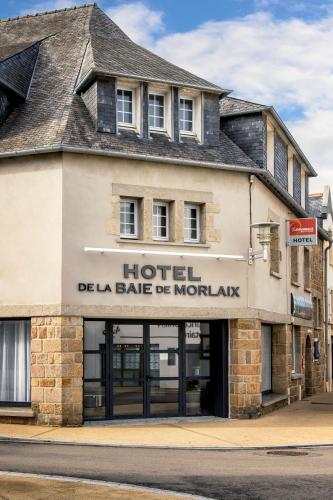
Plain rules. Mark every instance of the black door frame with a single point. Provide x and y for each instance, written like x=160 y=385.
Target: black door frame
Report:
x=219 y=366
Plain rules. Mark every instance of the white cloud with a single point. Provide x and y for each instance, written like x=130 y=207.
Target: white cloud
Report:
x=285 y=63
x=140 y=23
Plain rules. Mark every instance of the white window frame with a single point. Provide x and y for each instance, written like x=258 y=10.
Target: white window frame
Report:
x=162 y=204
x=134 y=236
x=158 y=129
x=193 y=131
x=198 y=211
x=124 y=124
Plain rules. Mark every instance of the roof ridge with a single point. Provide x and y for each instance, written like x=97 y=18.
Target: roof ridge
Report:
x=244 y=100
x=38 y=14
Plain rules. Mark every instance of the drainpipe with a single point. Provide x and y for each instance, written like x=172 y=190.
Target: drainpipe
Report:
x=327 y=249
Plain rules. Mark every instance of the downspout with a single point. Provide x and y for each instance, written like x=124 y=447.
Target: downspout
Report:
x=327 y=249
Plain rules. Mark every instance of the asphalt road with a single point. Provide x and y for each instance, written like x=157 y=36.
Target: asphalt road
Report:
x=213 y=474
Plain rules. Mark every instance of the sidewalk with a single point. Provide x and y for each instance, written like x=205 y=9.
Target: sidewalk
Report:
x=34 y=486
x=307 y=422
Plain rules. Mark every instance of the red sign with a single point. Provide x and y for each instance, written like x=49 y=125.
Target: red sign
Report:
x=302 y=232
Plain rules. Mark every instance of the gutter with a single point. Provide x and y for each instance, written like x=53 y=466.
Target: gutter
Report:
x=265 y=176
x=327 y=249
x=133 y=156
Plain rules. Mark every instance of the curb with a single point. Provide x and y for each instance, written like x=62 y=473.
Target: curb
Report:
x=110 y=484
x=7 y=439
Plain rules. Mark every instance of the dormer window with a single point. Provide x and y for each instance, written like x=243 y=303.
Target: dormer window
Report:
x=156 y=111
x=186 y=110
x=125 y=107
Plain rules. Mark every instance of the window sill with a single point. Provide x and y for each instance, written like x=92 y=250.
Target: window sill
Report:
x=161 y=242
x=296 y=283
x=15 y=411
x=307 y=289
x=296 y=376
x=276 y=275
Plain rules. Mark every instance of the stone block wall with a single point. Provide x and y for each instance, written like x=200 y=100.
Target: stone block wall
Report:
x=57 y=370
x=317 y=287
x=245 y=368
x=281 y=357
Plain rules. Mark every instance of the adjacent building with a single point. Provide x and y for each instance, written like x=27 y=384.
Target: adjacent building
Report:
x=321 y=207
x=132 y=281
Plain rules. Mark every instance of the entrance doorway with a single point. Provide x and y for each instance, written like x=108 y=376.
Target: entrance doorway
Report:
x=147 y=369
x=266 y=352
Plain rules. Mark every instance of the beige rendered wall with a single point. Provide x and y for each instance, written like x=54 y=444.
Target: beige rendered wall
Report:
x=90 y=210
x=30 y=225
x=273 y=292
x=55 y=206
x=90 y=203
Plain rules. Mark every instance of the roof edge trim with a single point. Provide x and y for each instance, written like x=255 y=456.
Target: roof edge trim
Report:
x=94 y=73
x=262 y=174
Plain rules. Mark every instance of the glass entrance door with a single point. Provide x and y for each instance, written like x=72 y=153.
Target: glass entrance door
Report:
x=127 y=380
x=164 y=370
x=148 y=369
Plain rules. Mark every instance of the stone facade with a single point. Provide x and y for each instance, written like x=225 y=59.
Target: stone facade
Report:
x=317 y=287
x=57 y=370
x=245 y=368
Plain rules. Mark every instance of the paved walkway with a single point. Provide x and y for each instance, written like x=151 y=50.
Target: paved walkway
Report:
x=307 y=422
x=15 y=486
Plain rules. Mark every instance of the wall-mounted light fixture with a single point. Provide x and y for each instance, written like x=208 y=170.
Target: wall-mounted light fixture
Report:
x=264 y=236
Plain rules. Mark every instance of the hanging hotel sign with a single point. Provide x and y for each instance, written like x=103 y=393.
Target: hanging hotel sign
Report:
x=142 y=283
x=302 y=232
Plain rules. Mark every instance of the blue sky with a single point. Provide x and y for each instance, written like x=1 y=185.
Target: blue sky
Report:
x=184 y=15
x=276 y=52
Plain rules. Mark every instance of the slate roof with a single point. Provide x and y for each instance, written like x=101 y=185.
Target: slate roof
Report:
x=316 y=204
x=320 y=205
x=70 y=42
x=16 y=71
x=232 y=105
x=81 y=132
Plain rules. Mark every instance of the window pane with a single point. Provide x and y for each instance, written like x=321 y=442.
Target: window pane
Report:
x=94 y=400
x=160 y=221
x=93 y=364
x=164 y=397
x=128 y=214
x=156 y=111
x=15 y=360
x=186 y=115
x=128 y=398
x=93 y=335
x=197 y=336
x=124 y=106
x=191 y=223
x=197 y=364
x=198 y=396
